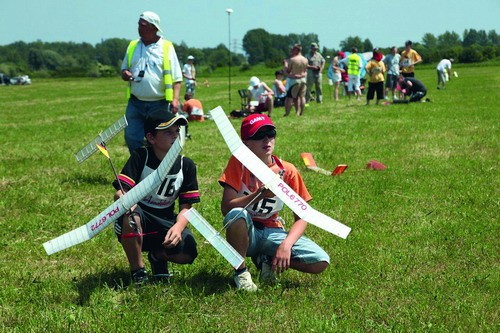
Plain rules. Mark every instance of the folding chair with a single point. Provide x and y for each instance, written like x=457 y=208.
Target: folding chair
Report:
x=244 y=98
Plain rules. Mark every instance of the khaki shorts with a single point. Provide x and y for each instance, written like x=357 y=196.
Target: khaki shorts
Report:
x=297 y=90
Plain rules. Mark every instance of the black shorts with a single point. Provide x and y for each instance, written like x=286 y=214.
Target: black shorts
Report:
x=155 y=229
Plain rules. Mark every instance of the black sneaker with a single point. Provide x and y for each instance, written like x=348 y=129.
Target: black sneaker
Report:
x=139 y=276
x=159 y=267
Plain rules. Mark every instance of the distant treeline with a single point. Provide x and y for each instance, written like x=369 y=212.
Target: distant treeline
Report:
x=68 y=59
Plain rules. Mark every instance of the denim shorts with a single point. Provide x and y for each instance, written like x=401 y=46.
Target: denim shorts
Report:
x=266 y=241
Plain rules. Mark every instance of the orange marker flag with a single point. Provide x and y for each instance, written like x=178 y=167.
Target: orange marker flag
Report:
x=308 y=159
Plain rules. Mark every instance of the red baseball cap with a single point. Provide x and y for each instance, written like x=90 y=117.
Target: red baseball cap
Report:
x=251 y=124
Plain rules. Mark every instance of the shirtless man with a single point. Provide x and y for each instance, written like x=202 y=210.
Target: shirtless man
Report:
x=296 y=70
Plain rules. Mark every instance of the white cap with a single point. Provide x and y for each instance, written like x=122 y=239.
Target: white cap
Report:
x=254 y=81
x=152 y=18
x=190 y=57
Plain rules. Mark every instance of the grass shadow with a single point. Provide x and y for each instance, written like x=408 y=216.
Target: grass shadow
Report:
x=207 y=282
x=203 y=283
x=116 y=280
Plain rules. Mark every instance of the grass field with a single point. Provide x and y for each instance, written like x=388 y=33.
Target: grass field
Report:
x=423 y=255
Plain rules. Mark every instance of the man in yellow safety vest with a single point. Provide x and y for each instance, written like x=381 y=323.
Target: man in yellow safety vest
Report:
x=354 y=71
x=154 y=75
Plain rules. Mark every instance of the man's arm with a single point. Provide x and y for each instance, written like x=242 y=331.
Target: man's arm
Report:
x=174 y=108
x=322 y=66
x=126 y=75
x=418 y=58
x=268 y=90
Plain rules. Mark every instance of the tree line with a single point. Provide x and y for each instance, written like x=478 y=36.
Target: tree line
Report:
x=69 y=59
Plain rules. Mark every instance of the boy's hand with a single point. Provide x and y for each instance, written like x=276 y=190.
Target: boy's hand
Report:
x=172 y=238
x=281 y=260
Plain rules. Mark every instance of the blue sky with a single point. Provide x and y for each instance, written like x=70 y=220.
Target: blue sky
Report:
x=204 y=23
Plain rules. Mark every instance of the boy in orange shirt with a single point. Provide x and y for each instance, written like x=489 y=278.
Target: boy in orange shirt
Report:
x=252 y=224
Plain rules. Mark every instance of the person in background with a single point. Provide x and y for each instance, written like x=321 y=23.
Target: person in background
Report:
x=315 y=66
x=376 y=70
x=189 y=74
x=260 y=97
x=413 y=88
x=279 y=89
x=409 y=58
x=154 y=75
x=256 y=230
x=443 y=72
x=345 y=76
x=391 y=62
x=335 y=74
x=193 y=108
x=354 y=71
x=296 y=71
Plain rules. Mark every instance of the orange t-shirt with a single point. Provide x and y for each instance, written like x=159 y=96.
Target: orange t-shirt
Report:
x=244 y=182
x=194 y=110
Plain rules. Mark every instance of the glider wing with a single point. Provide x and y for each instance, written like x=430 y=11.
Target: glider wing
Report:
x=117 y=208
x=272 y=181
x=105 y=136
x=214 y=238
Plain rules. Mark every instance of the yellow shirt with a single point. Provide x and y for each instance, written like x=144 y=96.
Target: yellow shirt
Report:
x=408 y=58
x=375 y=70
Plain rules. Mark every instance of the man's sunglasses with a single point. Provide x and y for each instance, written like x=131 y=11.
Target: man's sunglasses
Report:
x=262 y=134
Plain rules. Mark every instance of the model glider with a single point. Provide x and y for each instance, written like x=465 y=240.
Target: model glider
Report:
x=214 y=238
x=272 y=181
x=311 y=165
x=117 y=208
x=103 y=137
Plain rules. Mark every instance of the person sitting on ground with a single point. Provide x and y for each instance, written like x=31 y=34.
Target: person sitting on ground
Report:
x=253 y=226
x=158 y=230
x=193 y=108
x=260 y=97
x=413 y=88
x=279 y=89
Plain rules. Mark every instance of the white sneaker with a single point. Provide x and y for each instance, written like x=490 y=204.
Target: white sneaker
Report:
x=244 y=282
x=267 y=275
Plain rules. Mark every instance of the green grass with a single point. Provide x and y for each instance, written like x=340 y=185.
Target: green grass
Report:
x=422 y=256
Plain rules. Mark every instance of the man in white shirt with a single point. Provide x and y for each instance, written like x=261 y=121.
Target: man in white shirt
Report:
x=444 y=72
x=260 y=97
x=189 y=73
x=154 y=84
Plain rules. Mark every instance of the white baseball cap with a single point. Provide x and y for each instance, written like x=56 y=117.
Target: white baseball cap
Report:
x=254 y=81
x=152 y=18
x=190 y=57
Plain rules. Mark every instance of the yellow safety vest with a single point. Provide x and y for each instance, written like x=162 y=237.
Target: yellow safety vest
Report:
x=354 y=64
x=167 y=71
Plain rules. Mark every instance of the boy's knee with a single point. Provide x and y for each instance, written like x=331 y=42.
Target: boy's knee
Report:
x=235 y=215
x=320 y=267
